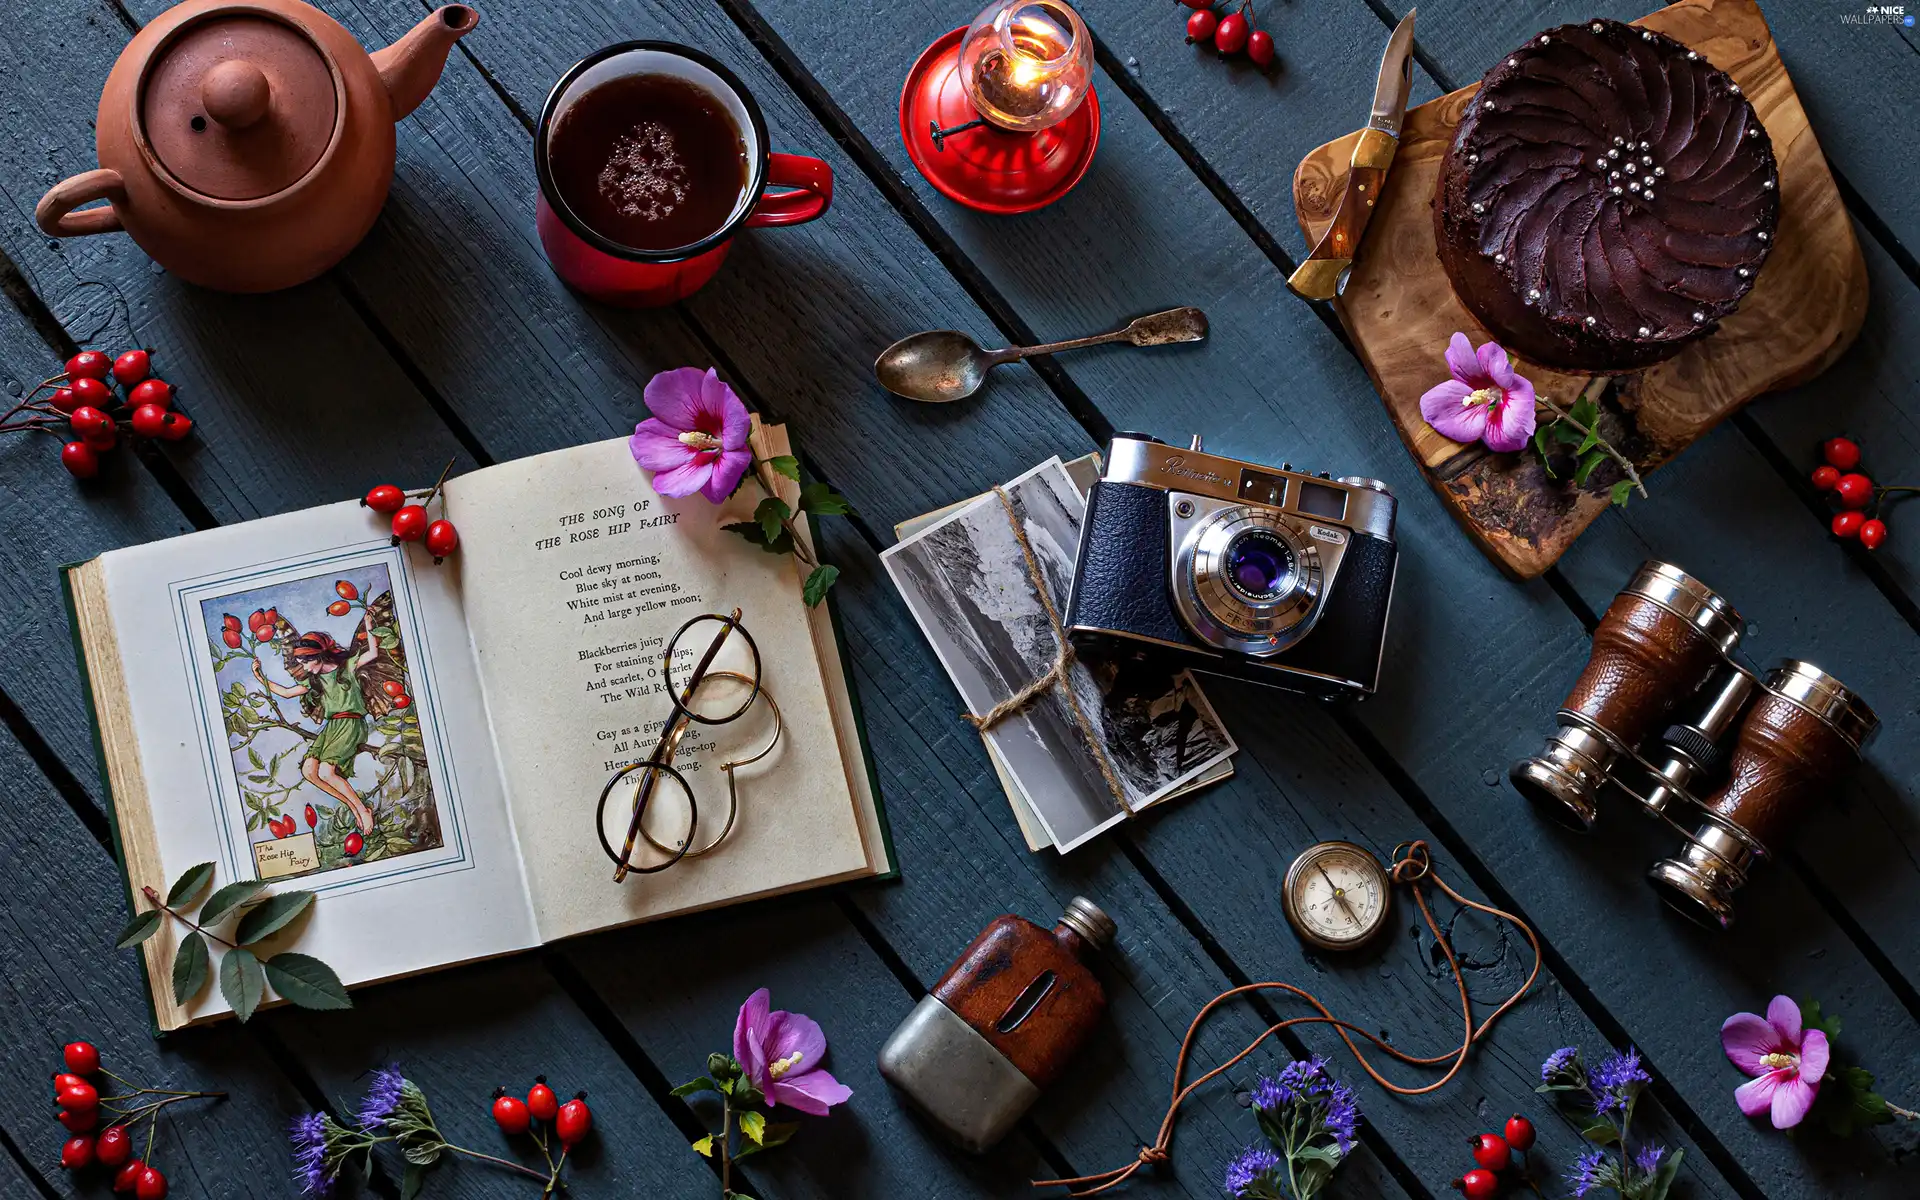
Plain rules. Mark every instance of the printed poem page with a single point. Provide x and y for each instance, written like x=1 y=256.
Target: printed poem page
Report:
x=575 y=576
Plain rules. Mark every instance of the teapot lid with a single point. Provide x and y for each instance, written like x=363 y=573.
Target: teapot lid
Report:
x=239 y=105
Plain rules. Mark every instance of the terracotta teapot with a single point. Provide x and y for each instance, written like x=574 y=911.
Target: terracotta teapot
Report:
x=249 y=145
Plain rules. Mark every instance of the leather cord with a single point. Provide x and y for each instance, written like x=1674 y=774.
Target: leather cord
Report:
x=1413 y=868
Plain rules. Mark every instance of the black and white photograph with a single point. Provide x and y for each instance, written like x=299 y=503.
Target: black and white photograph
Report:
x=966 y=581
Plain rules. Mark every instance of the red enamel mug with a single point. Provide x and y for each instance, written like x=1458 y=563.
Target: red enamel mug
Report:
x=607 y=270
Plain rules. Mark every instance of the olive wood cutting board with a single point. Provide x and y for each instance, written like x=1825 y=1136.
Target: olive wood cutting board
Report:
x=1399 y=308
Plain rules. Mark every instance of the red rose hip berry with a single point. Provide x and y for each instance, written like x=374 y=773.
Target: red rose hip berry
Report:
x=77 y=1153
x=1520 y=1133
x=1855 y=490
x=1843 y=453
x=79 y=460
x=1231 y=35
x=510 y=1113
x=151 y=1185
x=1201 y=24
x=1847 y=524
x=65 y=401
x=541 y=1101
x=410 y=524
x=574 y=1121
x=345 y=590
x=81 y=1058
x=149 y=420
x=1873 y=533
x=442 y=539
x=313 y=817
x=1478 y=1184
x=1490 y=1151
x=77 y=1097
x=152 y=391
x=1260 y=48
x=385 y=499
x=128 y=1177
x=354 y=844
x=88 y=420
x=80 y=1120
x=89 y=364
x=133 y=366
x=92 y=392
x=1824 y=477
x=114 y=1147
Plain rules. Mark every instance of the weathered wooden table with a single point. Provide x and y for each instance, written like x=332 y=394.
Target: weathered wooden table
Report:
x=445 y=334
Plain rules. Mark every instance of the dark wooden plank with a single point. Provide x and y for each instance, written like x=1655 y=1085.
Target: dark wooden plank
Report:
x=66 y=983
x=1161 y=242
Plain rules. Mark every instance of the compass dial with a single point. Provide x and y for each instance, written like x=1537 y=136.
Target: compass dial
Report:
x=1336 y=895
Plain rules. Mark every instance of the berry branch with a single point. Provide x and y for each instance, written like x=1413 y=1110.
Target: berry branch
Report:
x=1579 y=426
x=85 y=404
x=80 y=1106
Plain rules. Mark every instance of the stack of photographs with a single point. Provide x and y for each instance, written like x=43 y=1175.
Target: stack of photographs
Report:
x=965 y=578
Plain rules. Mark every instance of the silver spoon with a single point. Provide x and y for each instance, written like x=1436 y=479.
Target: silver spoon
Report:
x=945 y=364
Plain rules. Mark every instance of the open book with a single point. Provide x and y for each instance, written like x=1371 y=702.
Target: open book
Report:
x=431 y=761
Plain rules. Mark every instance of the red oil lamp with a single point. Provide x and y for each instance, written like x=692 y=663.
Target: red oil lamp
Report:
x=1001 y=115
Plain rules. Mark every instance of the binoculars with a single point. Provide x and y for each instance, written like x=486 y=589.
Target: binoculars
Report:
x=1663 y=704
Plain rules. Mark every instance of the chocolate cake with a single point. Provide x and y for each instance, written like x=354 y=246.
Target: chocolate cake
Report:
x=1608 y=198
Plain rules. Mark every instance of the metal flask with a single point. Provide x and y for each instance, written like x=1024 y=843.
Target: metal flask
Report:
x=1001 y=1024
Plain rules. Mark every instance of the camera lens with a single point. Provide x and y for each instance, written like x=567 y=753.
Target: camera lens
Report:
x=1259 y=566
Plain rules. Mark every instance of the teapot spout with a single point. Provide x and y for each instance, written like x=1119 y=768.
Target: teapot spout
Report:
x=411 y=66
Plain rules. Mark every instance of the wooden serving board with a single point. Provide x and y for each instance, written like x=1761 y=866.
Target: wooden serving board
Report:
x=1805 y=308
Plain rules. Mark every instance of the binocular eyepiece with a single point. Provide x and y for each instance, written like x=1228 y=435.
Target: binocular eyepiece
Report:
x=1664 y=704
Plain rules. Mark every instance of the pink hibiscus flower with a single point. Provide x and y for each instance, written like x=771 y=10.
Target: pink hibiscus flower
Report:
x=1787 y=1062
x=696 y=439
x=781 y=1053
x=1485 y=401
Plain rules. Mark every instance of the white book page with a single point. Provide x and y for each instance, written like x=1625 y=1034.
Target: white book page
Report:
x=434 y=877
x=576 y=575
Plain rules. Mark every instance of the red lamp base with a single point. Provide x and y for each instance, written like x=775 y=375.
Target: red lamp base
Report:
x=992 y=169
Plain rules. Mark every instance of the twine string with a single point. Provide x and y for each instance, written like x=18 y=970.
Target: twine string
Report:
x=1055 y=674
x=1412 y=868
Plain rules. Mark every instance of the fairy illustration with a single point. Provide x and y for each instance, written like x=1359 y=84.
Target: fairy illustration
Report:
x=340 y=688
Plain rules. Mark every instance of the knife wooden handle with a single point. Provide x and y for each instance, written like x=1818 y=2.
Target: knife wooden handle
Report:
x=1324 y=274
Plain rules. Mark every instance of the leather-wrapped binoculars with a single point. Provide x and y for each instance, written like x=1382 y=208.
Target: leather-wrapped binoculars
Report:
x=1664 y=704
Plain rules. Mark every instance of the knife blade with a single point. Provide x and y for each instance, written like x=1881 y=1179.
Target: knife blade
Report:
x=1324 y=274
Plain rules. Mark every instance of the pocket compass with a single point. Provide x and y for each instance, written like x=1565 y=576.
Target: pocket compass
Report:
x=1336 y=895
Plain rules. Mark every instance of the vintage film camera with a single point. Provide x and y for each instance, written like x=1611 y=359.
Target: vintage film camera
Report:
x=1276 y=576
x=1663 y=701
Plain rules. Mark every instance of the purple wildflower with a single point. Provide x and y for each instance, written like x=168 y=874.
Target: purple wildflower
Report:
x=1617 y=1080
x=1343 y=1113
x=309 y=1136
x=1591 y=1170
x=1268 y=1096
x=1254 y=1165
x=1648 y=1157
x=1561 y=1065
x=381 y=1098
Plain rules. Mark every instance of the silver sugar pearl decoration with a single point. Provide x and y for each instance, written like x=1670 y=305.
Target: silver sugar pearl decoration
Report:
x=1649 y=196
x=1659 y=170
x=1644 y=146
x=1753 y=131
x=1763 y=237
x=1472 y=158
x=1699 y=317
x=1543 y=39
x=1734 y=88
x=1479 y=207
x=1513 y=62
x=1597 y=27
x=1743 y=272
x=1613 y=176
x=1499 y=258
x=1533 y=293
x=1599 y=164
x=1615 y=189
x=1614 y=153
x=1767 y=185
x=1630 y=167
x=1490 y=106
x=1619 y=141
x=1593 y=320
x=1645 y=332
x=1692 y=54
x=1633 y=187
x=1646 y=35
x=1646 y=160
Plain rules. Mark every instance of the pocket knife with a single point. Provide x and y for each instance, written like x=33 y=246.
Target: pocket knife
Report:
x=1324 y=275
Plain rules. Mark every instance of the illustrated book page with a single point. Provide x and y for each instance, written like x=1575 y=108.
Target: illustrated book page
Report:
x=363 y=771
x=576 y=576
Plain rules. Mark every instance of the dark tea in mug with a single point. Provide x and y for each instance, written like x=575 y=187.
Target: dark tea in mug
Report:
x=650 y=161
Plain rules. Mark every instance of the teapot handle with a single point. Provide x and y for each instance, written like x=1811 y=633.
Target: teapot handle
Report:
x=55 y=213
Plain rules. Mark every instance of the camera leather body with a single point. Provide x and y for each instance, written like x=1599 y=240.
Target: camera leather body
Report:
x=1121 y=587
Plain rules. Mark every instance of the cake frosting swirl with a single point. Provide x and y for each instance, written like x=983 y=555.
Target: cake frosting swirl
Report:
x=1609 y=197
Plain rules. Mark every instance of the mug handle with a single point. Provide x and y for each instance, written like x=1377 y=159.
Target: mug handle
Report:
x=811 y=184
x=55 y=213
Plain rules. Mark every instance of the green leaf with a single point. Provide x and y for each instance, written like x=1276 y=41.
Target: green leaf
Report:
x=270 y=915
x=744 y=1093
x=189 y=967
x=692 y=1086
x=1600 y=1132
x=411 y=1180
x=1543 y=446
x=1313 y=1175
x=306 y=981
x=775 y=1134
x=228 y=900
x=754 y=1125
x=823 y=501
x=1585 y=411
x=818 y=581
x=1591 y=440
x=253 y=756
x=770 y=513
x=143 y=926
x=422 y=1153
x=786 y=464
x=1564 y=431
x=1589 y=459
x=704 y=1147
x=242 y=982
x=751 y=531
x=1662 y=1181
x=1847 y=1102
x=1621 y=491
x=191 y=883
x=1812 y=1018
